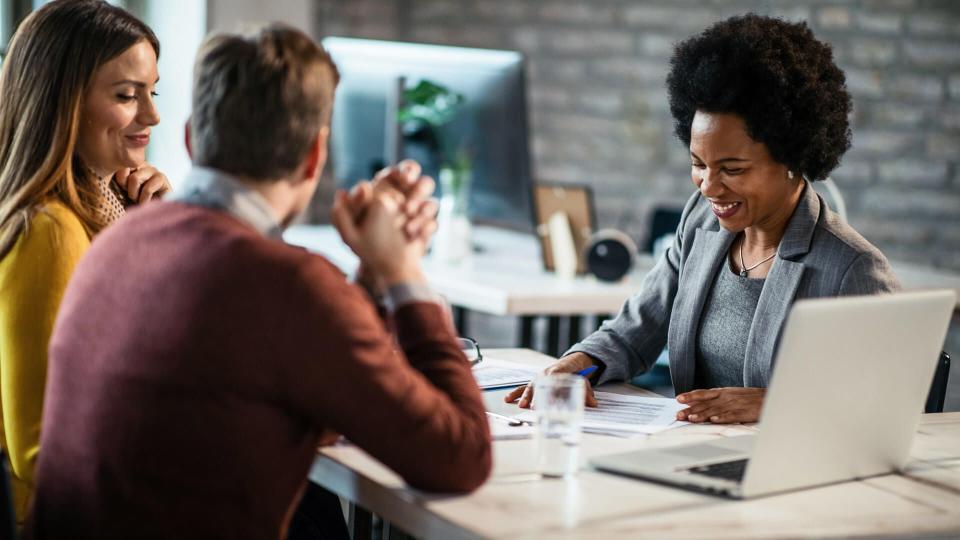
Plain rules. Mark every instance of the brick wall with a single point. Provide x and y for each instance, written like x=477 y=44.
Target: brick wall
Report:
x=599 y=114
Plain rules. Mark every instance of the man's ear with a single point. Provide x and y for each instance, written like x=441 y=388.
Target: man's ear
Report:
x=317 y=156
x=186 y=138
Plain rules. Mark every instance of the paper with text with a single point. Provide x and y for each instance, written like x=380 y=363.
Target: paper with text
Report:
x=495 y=373
x=618 y=414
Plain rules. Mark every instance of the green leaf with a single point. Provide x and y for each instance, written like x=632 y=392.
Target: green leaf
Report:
x=429 y=105
x=430 y=102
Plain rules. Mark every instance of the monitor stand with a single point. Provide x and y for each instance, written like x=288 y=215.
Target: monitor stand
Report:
x=393 y=138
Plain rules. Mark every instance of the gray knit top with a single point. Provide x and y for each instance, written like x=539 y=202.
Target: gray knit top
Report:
x=724 y=328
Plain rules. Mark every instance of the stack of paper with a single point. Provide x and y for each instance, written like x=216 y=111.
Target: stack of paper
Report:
x=494 y=373
x=625 y=416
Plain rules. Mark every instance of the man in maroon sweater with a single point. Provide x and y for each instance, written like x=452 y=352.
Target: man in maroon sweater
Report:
x=197 y=359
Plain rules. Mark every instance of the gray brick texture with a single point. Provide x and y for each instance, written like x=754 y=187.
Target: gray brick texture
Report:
x=598 y=107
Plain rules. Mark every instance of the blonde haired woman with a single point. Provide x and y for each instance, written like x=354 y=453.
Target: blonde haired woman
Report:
x=76 y=108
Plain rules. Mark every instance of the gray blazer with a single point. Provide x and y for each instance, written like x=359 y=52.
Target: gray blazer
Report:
x=819 y=256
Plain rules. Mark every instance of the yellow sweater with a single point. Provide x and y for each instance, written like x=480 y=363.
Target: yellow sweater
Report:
x=33 y=277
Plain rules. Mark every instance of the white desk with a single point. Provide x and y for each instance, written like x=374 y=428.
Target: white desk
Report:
x=507 y=278
x=517 y=503
x=504 y=277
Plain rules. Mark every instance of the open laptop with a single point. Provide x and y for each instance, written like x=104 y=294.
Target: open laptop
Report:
x=849 y=384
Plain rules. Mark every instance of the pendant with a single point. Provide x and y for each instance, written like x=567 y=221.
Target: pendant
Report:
x=743 y=273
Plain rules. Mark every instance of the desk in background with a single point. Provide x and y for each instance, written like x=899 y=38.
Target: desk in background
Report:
x=505 y=276
x=517 y=503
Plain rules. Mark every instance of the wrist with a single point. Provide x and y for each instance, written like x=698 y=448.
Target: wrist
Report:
x=582 y=360
x=579 y=360
x=396 y=276
x=369 y=281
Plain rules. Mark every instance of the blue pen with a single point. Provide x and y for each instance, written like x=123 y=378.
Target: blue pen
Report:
x=586 y=372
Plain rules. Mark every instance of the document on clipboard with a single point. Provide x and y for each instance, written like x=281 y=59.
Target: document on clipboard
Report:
x=494 y=373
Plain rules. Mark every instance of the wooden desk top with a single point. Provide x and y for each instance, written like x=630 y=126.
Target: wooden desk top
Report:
x=517 y=503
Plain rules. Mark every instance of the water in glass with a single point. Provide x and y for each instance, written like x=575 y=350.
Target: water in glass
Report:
x=558 y=401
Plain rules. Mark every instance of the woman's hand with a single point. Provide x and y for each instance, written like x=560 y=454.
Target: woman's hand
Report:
x=142 y=184
x=568 y=364
x=722 y=405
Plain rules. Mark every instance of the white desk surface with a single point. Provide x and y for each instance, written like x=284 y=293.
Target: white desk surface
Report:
x=517 y=503
x=506 y=276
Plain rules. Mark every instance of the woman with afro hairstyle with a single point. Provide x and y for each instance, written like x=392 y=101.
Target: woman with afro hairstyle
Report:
x=763 y=109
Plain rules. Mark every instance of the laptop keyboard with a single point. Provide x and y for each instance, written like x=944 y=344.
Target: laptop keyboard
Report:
x=727 y=470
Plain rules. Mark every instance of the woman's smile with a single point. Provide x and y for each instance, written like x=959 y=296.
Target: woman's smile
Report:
x=138 y=140
x=725 y=210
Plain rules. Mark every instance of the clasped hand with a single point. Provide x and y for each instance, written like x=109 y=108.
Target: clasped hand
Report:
x=388 y=223
x=142 y=184
x=722 y=405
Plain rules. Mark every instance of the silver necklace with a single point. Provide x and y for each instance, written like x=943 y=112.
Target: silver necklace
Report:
x=743 y=267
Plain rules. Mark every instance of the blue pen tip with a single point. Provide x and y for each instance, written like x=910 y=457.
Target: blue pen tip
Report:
x=586 y=372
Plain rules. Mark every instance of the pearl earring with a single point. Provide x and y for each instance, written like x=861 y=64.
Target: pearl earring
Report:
x=790 y=175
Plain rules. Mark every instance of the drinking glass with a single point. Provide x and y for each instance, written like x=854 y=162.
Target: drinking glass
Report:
x=558 y=402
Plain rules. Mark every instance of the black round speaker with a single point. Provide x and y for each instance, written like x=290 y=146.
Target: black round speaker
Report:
x=610 y=254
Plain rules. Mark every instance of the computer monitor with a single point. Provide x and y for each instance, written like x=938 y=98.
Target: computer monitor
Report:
x=492 y=122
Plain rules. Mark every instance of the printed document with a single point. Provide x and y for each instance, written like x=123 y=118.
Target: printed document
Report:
x=494 y=373
x=624 y=415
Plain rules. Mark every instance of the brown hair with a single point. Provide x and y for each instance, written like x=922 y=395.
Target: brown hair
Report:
x=259 y=101
x=50 y=64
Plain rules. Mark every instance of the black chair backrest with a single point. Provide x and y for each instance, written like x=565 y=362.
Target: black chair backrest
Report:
x=8 y=520
x=663 y=221
x=938 y=390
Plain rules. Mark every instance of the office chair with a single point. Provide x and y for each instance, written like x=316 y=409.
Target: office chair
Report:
x=8 y=520
x=938 y=390
x=663 y=220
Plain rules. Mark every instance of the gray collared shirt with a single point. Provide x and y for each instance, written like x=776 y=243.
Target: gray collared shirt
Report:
x=211 y=188
x=215 y=189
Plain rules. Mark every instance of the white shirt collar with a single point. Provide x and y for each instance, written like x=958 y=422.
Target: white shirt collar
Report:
x=211 y=188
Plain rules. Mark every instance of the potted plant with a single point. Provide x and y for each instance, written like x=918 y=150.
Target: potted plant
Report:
x=427 y=109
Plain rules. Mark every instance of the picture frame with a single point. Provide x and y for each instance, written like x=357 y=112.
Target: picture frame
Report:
x=576 y=201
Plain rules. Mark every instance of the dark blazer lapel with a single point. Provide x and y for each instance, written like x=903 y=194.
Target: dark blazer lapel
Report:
x=708 y=252
x=779 y=290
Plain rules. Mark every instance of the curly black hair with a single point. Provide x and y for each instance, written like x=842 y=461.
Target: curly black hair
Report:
x=776 y=76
